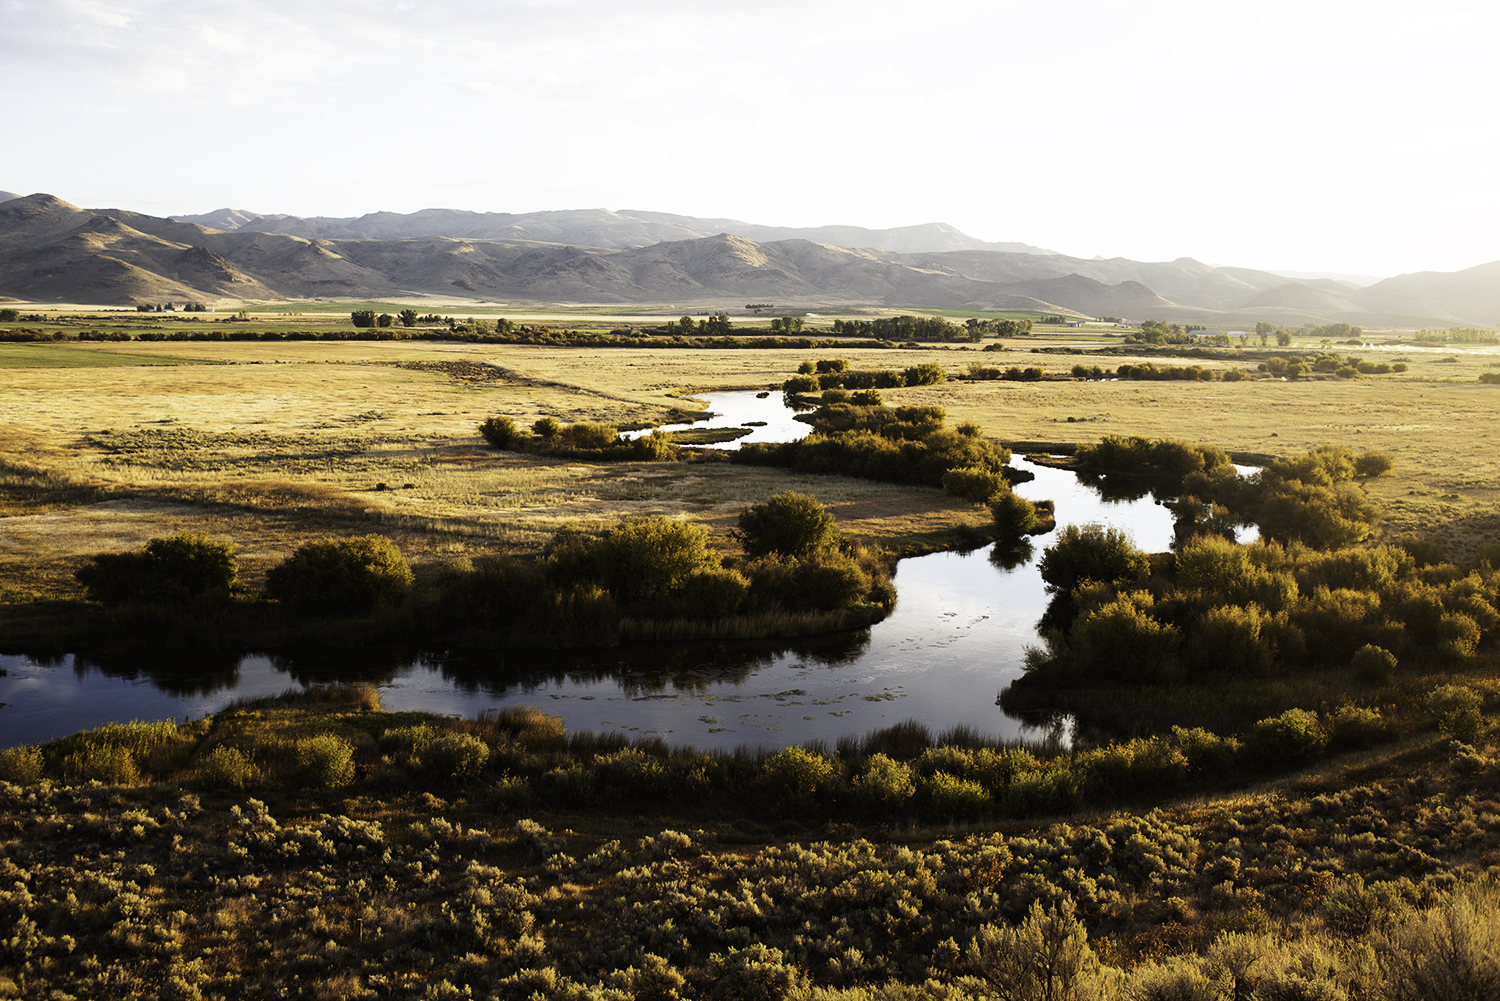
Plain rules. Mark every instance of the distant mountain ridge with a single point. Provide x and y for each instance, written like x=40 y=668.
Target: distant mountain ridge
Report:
x=53 y=251
x=622 y=230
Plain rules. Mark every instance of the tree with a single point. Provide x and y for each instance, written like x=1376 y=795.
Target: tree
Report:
x=789 y=523
x=717 y=325
x=363 y=317
x=408 y=317
x=385 y=320
x=685 y=325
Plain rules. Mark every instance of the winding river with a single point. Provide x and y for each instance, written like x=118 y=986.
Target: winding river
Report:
x=956 y=638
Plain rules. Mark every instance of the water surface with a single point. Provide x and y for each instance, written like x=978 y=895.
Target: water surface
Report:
x=956 y=638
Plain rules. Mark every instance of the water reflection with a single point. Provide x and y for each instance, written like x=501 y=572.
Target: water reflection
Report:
x=957 y=637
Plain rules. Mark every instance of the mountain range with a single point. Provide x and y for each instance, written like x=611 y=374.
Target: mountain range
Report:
x=52 y=251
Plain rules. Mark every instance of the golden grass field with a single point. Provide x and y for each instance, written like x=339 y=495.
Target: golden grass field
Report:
x=274 y=443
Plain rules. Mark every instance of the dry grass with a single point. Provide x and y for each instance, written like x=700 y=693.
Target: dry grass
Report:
x=293 y=440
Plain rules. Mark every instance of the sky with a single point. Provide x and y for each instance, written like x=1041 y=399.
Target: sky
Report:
x=1317 y=135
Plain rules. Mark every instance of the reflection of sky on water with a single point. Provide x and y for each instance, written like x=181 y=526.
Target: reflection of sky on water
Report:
x=956 y=637
x=766 y=417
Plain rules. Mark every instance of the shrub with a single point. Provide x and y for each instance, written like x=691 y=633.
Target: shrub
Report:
x=226 y=768
x=1232 y=639
x=1014 y=515
x=341 y=575
x=1121 y=640
x=546 y=428
x=1091 y=552
x=178 y=569
x=713 y=592
x=640 y=557
x=502 y=433
x=630 y=774
x=1373 y=464
x=110 y=764
x=584 y=435
x=790 y=523
x=1046 y=956
x=886 y=781
x=928 y=373
x=1204 y=749
x=1374 y=665
x=1448 y=953
x=454 y=757
x=1356 y=726
x=406 y=741
x=1456 y=709
x=796 y=773
x=1294 y=738
x=21 y=765
x=958 y=798
x=974 y=483
x=327 y=761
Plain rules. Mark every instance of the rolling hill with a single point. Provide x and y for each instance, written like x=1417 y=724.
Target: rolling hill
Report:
x=53 y=251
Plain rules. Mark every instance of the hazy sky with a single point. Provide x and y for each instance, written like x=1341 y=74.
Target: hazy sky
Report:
x=1336 y=136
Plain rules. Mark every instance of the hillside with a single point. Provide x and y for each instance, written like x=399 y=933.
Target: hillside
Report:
x=621 y=230
x=53 y=251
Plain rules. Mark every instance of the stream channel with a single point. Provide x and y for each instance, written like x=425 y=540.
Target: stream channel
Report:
x=958 y=634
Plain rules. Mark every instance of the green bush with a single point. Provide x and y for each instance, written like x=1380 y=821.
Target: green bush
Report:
x=631 y=774
x=502 y=433
x=327 y=761
x=974 y=483
x=1373 y=464
x=182 y=568
x=651 y=556
x=1014 y=515
x=713 y=592
x=1294 y=738
x=107 y=763
x=340 y=575
x=796 y=773
x=406 y=741
x=1204 y=749
x=789 y=523
x=959 y=798
x=1374 y=665
x=226 y=768
x=1121 y=640
x=1456 y=708
x=1231 y=639
x=1356 y=726
x=1091 y=552
x=584 y=435
x=886 y=781
x=546 y=428
x=1046 y=956
x=1450 y=952
x=926 y=374
x=21 y=765
x=454 y=757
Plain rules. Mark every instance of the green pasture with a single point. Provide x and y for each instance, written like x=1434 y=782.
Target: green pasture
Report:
x=71 y=356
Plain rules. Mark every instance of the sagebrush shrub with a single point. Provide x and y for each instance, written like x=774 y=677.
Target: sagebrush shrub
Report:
x=327 y=761
x=227 y=768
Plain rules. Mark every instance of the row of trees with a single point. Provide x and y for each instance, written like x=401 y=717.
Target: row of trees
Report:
x=367 y=318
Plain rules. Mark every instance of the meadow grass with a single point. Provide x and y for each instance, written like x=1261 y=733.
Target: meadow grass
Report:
x=286 y=440
x=81 y=356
